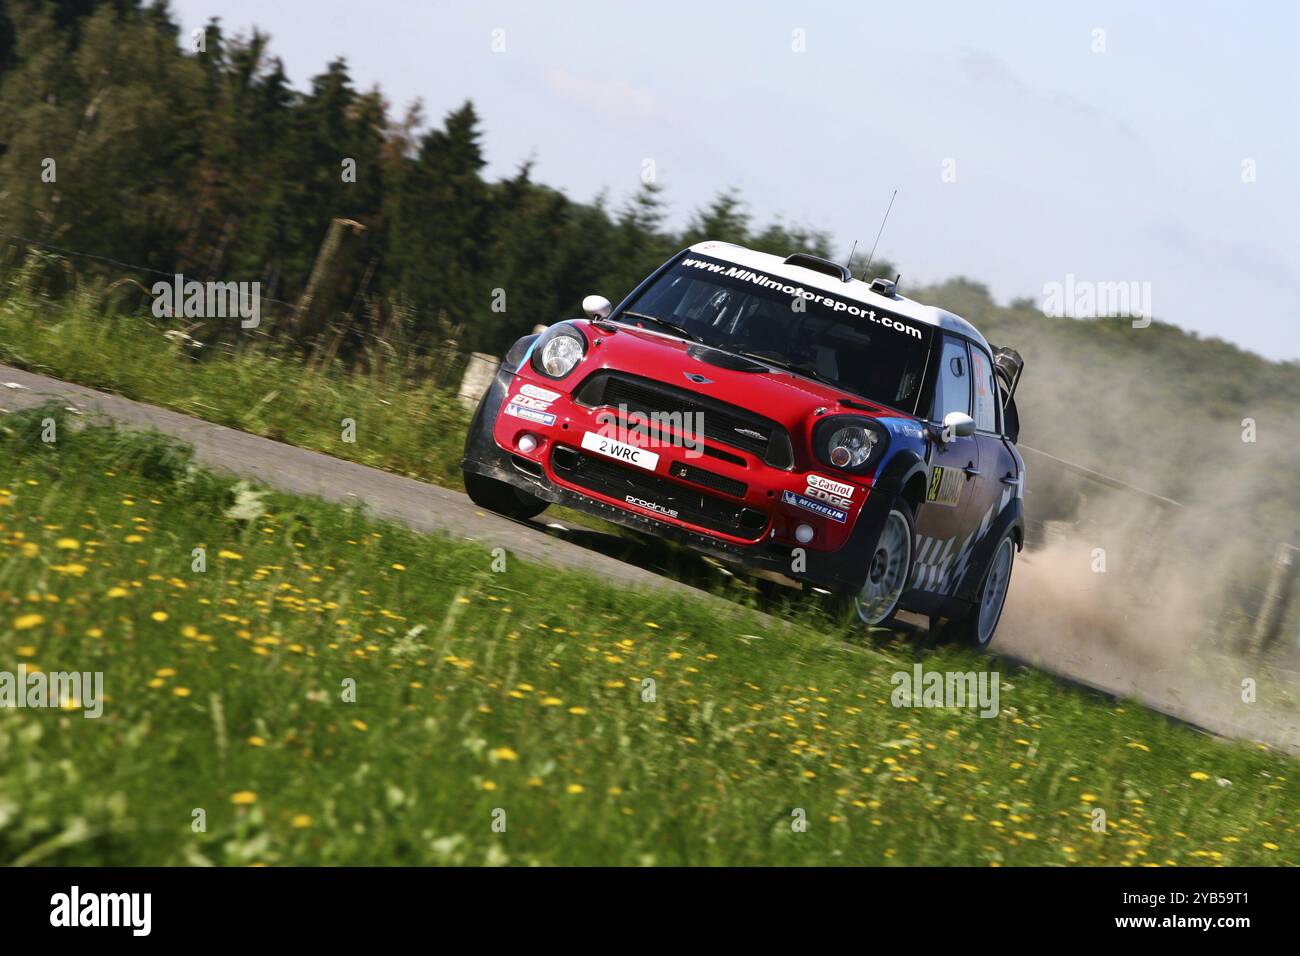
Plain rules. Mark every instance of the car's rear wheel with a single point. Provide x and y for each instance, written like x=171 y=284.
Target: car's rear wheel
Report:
x=980 y=623
x=888 y=568
x=502 y=498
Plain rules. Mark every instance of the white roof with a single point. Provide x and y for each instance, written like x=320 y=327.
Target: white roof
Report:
x=854 y=289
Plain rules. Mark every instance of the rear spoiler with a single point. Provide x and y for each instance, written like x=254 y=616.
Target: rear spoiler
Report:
x=1007 y=366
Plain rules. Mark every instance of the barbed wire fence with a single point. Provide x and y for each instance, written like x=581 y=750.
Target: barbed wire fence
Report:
x=305 y=321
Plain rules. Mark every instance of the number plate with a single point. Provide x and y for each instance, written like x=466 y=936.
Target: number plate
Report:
x=620 y=451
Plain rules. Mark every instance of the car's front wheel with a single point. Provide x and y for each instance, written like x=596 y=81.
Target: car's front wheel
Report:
x=502 y=498
x=888 y=568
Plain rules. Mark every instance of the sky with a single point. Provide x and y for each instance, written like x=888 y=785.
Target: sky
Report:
x=1030 y=143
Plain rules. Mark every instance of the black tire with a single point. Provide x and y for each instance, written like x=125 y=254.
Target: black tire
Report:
x=979 y=625
x=502 y=498
x=887 y=567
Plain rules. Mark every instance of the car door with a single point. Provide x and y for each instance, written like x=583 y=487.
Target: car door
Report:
x=997 y=481
x=954 y=464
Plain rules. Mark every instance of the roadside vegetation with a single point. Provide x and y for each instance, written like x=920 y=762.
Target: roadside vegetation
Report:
x=518 y=696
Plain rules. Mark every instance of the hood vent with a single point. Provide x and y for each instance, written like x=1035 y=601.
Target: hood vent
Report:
x=720 y=359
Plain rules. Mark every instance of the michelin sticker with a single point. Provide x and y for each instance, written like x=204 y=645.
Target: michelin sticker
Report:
x=530 y=414
x=816 y=507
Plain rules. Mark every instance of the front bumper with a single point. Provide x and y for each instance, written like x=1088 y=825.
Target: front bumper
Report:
x=837 y=562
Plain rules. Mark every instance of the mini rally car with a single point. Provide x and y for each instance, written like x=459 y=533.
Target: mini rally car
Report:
x=781 y=414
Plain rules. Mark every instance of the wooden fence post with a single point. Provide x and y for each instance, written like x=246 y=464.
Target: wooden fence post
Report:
x=479 y=373
x=320 y=286
x=1276 y=598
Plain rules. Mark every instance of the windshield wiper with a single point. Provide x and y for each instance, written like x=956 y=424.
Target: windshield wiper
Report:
x=789 y=366
x=664 y=323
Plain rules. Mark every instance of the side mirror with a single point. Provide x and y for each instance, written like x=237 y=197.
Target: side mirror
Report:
x=958 y=424
x=596 y=307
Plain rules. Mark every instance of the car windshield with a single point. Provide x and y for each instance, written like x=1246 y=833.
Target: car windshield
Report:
x=863 y=350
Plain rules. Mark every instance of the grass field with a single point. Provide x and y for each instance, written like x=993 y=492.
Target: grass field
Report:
x=405 y=423
x=485 y=697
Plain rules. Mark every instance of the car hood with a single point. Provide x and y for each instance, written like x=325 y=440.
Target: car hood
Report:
x=774 y=393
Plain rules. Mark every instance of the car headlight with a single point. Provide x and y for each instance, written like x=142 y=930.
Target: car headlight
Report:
x=849 y=442
x=558 y=351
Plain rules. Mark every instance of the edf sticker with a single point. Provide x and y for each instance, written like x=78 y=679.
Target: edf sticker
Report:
x=945 y=485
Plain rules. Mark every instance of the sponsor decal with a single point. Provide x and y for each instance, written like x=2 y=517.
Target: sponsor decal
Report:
x=650 y=505
x=834 y=493
x=945 y=485
x=816 y=507
x=854 y=308
x=834 y=487
x=541 y=394
x=530 y=414
x=620 y=451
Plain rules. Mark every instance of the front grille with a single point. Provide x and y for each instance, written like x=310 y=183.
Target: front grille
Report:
x=709 y=479
x=691 y=506
x=721 y=422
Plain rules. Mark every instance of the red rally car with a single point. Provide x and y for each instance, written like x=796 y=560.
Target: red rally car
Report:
x=780 y=414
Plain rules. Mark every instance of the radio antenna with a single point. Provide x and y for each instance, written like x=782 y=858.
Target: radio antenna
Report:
x=878 y=234
x=849 y=264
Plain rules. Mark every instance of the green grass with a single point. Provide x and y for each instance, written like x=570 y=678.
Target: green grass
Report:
x=404 y=421
x=518 y=691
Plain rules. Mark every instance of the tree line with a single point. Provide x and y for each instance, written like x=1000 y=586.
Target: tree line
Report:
x=119 y=138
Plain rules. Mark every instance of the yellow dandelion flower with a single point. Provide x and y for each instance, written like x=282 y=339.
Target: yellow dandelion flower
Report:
x=30 y=549
x=26 y=622
x=67 y=544
x=1200 y=775
x=181 y=691
x=256 y=742
x=360 y=725
x=652 y=624
x=243 y=798
x=26 y=651
x=225 y=555
x=116 y=592
x=505 y=753
x=551 y=702
x=166 y=672
x=398 y=567
x=133 y=538
x=577 y=711
x=574 y=788
x=300 y=822
x=156 y=682
x=159 y=616
x=489 y=785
